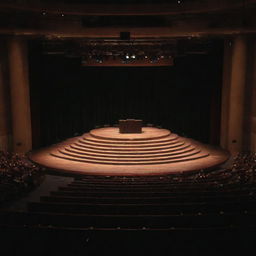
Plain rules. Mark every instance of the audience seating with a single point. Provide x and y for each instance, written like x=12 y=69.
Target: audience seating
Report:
x=221 y=198
x=17 y=176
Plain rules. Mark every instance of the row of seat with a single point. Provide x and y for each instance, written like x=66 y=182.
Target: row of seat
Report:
x=220 y=198
x=131 y=221
x=212 y=199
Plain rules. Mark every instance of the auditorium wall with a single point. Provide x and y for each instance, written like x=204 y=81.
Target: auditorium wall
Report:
x=68 y=99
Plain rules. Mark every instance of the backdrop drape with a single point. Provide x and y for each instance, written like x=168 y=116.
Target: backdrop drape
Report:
x=68 y=99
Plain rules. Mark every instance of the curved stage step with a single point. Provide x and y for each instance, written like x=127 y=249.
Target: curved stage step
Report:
x=133 y=152
x=112 y=133
x=105 y=151
x=130 y=145
x=169 y=138
x=111 y=162
x=128 y=159
x=127 y=155
x=133 y=148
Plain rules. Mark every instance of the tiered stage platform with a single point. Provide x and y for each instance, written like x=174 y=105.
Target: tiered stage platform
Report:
x=106 y=151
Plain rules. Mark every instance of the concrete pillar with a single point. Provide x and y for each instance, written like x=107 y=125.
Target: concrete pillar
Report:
x=19 y=91
x=5 y=111
x=253 y=102
x=225 y=94
x=236 y=98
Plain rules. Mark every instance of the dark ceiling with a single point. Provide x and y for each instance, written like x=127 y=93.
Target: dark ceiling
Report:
x=118 y=1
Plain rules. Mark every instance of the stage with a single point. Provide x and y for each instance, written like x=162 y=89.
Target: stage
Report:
x=105 y=151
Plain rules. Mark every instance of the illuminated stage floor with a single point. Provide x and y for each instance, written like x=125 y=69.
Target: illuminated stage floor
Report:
x=105 y=151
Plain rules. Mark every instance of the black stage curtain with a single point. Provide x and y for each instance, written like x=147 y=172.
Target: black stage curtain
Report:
x=68 y=99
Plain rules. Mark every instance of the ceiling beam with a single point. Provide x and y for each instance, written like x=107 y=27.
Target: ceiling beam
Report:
x=192 y=7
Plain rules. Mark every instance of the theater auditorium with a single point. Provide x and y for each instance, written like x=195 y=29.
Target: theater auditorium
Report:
x=127 y=127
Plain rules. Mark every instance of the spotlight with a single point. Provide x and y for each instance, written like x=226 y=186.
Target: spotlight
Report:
x=125 y=59
x=44 y=13
x=133 y=56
